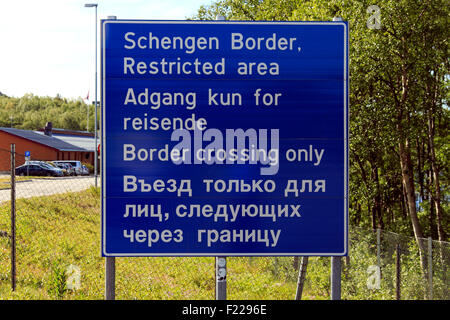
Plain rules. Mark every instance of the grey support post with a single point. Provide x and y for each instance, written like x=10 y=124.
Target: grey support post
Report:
x=110 y=278
x=335 y=278
x=221 y=262
x=13 y=216
x=221 y=278
x=110 y=263
x=336 y=261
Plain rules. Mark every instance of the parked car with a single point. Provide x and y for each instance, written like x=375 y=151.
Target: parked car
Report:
x=70 y=169
x=45 y=164
x=38 y=170
x=85 y=170
x=67 y=168
x=77 y=166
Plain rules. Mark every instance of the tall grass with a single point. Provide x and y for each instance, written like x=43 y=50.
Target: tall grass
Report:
x=57 y=231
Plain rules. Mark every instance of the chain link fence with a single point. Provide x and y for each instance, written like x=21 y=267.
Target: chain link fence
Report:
x=58 y=256
x=34 y=183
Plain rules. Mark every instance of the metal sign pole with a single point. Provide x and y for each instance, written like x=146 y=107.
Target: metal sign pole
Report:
x=95 y=116
x=13 y=216
x=430 y=268
x=221 y=278
x=110 y=278
x=221 y=262
x=335 y=278
x=379 y=247
x=336 y=261
x=398 y=272
x=301 y=278
x=110 y=263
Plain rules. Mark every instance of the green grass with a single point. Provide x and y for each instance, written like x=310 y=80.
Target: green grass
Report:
x=57 y=231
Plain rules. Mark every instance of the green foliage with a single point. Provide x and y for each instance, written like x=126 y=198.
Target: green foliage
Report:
x=32 y=112
x=318 y=277
x=57 y=281
x=398 y=95
x=57 y=231
x=218 y=8
x=90 y=167
x=269 y=10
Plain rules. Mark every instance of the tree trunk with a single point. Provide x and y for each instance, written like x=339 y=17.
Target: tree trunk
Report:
x=295 y=263
x=405 y=210
x=358 y=214
x=432 y=215
x=437 y=187
x=377 y=205
x=420 y=163
x=408 y=181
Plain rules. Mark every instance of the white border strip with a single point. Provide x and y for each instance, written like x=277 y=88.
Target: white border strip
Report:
x=103 y=104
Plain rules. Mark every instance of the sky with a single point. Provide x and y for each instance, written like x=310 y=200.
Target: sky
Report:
x=47 y=47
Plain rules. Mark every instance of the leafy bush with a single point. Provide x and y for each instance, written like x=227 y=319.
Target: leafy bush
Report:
x=57 y=281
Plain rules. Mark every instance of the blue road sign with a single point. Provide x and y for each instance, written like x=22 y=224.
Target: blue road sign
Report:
x=224 y=138
x=27 y=153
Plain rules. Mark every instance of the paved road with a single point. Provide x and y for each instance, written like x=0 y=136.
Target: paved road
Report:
x=45 y=187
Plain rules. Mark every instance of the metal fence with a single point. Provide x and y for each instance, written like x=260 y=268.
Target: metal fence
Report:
x=29 y=185
x=57 y=256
